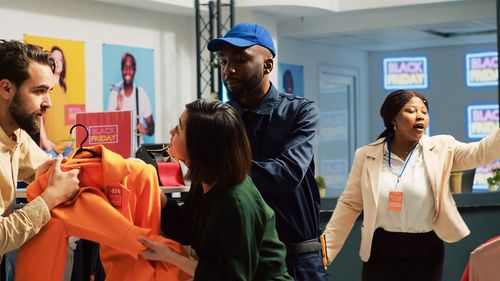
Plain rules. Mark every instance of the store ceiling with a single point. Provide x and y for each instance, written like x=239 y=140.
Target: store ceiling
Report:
x=368 y=28
x=410 y=37
x=402 y=27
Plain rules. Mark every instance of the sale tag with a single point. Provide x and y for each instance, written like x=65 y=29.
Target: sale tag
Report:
x=115 y=197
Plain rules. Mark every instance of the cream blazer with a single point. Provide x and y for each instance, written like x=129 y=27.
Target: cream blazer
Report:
x=441 y=155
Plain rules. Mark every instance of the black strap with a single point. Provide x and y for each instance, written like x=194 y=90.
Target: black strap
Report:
x=138 y=138
x=308 y=246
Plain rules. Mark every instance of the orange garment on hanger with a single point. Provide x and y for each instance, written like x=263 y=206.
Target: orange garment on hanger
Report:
x=118 y=201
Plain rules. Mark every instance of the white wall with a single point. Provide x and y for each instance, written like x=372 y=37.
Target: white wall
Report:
x=312 y=56
x=171 y=36
x=174 y=41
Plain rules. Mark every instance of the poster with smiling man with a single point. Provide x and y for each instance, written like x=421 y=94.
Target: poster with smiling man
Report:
x=128 y=85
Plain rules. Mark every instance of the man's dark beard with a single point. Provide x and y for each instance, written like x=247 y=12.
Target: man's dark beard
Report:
x=126 y=85
x=246 y=89
x=25 y=120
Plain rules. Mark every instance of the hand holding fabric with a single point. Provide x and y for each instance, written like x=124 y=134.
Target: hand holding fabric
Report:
x=160 y=252
x=62 y=186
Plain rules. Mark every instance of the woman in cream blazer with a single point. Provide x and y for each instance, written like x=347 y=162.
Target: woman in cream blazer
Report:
x=405 y=117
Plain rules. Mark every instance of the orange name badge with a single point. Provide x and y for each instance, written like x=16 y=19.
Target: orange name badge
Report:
x=395 y=201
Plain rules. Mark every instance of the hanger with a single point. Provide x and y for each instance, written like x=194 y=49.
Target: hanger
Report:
x=81 y=149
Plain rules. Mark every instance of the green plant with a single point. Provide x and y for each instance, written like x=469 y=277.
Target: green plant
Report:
x=495 y=178
x=321 y=182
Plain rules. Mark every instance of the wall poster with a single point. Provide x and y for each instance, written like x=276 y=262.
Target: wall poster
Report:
x=291 y=78
x=128 y=84
x=67 y=96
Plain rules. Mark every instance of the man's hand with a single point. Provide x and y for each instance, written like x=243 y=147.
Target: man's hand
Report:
x=119 y=102
x=62 y=186
x=142 y=130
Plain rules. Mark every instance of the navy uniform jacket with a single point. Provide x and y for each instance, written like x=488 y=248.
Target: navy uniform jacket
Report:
x=282 y=129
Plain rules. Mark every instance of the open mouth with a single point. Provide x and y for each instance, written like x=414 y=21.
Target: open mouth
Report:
x=419 y=126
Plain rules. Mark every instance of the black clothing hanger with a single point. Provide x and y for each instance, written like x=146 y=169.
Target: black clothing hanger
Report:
x=81 y=149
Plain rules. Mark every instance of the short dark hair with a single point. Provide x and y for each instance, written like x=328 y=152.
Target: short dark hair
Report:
x=131 y=57
x=217 y=143
x=393 y=103
x=15 y=57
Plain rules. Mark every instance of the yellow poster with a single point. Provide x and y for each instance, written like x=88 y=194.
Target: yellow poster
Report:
x=67 y=96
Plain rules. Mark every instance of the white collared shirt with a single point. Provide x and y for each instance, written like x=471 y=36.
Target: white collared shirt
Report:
x=418 y=202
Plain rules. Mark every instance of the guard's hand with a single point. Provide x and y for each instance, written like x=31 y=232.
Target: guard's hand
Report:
x=324 y=250
x=62 y=186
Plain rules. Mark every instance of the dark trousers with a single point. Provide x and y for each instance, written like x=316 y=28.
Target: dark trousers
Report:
x=306 y=267
x=2 y=269
x=399 y=256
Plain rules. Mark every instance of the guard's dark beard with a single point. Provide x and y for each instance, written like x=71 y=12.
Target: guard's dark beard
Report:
x=246 y=88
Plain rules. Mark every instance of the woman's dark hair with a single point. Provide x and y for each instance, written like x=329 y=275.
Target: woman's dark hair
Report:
x=15 y=57
x=62 y=76
x=393 y=103
x=217 y=143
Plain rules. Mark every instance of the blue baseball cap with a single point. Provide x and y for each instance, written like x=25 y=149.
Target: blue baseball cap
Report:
x=244 y=35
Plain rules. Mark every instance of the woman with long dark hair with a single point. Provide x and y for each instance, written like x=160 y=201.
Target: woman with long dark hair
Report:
x=224 y=218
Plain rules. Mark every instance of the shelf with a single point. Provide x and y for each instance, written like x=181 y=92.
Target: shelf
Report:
x=172 y=189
